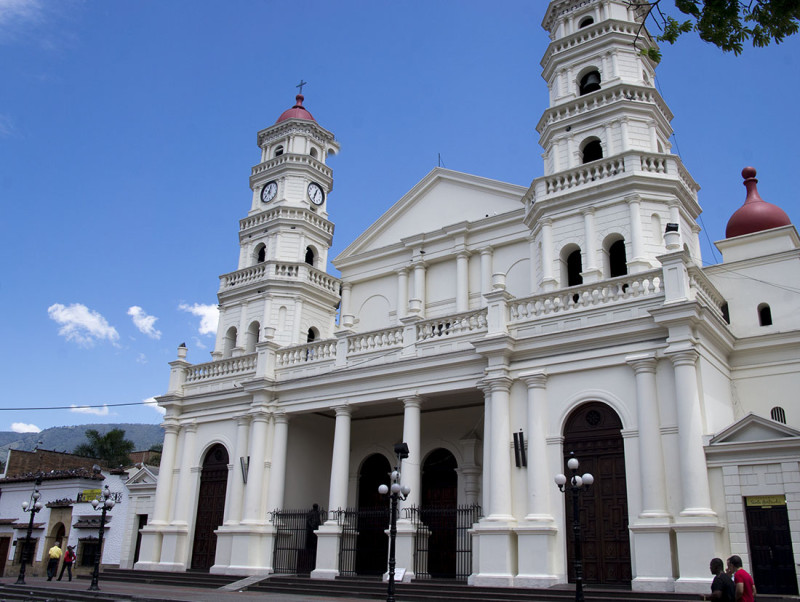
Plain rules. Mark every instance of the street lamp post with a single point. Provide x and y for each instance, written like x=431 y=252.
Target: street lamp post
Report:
x=33 y=507
x=105 y=503
x=577 y=484
x=398 y=492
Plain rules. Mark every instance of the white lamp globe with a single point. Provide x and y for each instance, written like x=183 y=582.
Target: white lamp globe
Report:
x=25 y=506
x=560 y=480
x=95 y=504
x=588 y=479
x=577 y=481
x=395 y=488
x=110 y=503
x=38 y=506
x=405 y=490
x=395 y=475
x=36 y=494
x=573 y=463
x=383 y=489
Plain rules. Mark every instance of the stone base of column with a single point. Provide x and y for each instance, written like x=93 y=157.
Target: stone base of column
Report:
x=243 y=550
x=652 y=551
x=637 y=265
x=696 y=542
x=404 y=549
x=494 y=553
x=549 y=285
x=592 y=275
x=149 y=549
x=535 y=540
x=327 y=563
x=175 y=547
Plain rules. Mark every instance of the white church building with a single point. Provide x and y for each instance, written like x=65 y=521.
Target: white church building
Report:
x=574 y=315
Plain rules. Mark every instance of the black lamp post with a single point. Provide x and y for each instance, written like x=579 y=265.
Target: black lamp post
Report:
x=398 y=492
x=33 y=507
x=105 y=503
x=577 y=484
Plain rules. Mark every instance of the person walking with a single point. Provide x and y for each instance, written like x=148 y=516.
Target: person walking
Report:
x=745 y=588
x=722 y=588
x=52 y=563
x=69 y=558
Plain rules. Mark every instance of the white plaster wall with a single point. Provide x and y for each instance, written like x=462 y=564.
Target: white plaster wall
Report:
x=308 y=464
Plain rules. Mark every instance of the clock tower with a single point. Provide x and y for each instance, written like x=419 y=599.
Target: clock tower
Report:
x=280 y=290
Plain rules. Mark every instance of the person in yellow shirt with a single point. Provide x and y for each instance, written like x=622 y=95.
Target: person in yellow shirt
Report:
x=52 y=563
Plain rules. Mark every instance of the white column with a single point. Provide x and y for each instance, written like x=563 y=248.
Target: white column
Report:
x=462 y=282
x=609 y=132
x=651 y=457
x=548 y=282
x=402 y=293
x=532 y=257
x=539 y=488
x=345 y=311
x=592 y=271
x=164 y=487
x=277 y=475
x=637 y=263
x=255 y=478
x=411 y=467
x=691 y=457
x=500 y=494
x=623 y=128
x=180 y=509
x=417 y=303
x=486 y=484
x=236 y=493
x=340 y=462
x=486 y=273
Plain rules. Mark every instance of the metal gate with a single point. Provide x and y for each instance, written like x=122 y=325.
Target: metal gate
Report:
x=295 y=550
x=443 y=547
x=363 y=548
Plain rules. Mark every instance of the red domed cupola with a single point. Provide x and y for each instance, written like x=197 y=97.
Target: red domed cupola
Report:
x=756 y=215
x=298 y=111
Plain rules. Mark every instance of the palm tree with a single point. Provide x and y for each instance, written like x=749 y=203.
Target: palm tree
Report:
x=112 y=448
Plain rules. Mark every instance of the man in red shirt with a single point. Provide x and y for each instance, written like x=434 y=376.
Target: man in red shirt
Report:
x=745 y=588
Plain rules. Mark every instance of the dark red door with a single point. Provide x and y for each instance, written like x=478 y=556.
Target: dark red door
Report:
x=593 y=433
x=210 y=507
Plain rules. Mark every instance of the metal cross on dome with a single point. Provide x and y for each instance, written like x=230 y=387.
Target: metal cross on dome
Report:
x=300 y=85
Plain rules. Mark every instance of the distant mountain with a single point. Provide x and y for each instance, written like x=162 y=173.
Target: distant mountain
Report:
x=66 y=438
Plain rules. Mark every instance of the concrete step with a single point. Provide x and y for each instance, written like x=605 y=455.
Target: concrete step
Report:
x=13 y=593
x=189 y=578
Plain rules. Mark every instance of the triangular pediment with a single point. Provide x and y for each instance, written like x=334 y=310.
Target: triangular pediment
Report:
x=754 y=428
x=441 y=198
x=146 y=475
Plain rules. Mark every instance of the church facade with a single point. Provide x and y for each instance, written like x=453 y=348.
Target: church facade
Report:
x=571 y=316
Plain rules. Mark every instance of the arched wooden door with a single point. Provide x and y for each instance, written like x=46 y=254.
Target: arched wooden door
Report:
x=593 y=433
x=438 y=512
x=372 y=547
x=210 y=507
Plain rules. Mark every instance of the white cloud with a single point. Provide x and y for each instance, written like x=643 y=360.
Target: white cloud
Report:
x=141 y=358
x=151 y=402
x=14 y=14
x=145 y=323
x=198 y=343
x=89 y=410
x=208 y=314
x=21 y=427
x=81 y=324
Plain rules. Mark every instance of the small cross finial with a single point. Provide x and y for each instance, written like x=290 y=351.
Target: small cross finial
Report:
x=300 y=85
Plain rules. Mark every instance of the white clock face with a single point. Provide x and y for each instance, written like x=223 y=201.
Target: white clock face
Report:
x=269 y=191
x=315 y=193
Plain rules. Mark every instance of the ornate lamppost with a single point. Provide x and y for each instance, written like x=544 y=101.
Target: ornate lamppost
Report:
x=398 y=492
x=104 y=503
x=33 y=507
x=577 y=484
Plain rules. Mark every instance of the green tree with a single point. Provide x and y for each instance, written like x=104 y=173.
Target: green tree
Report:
x=112 y=448
x=724 y=23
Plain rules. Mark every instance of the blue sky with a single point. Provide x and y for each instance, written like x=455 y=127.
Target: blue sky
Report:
x=128 y=129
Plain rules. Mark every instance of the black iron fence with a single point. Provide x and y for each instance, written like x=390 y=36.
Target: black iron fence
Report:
x=295 y=548
x=443 y=547
x=364 y=545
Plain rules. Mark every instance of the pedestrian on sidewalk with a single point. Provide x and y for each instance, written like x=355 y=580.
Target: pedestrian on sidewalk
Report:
x=69 y=558
x=52 y=563
x=722 y=588
x=745 y=588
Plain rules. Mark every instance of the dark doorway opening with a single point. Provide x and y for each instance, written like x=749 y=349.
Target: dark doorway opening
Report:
x=210 y=507
x=372 y=543
x=770 y=539
x=593 y=433
x=439 y=502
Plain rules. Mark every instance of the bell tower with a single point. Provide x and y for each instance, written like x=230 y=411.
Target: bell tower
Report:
x=280 y=290
x=611 y=184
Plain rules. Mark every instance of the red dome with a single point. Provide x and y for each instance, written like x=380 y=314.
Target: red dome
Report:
x=298 y=111
x=756 y=215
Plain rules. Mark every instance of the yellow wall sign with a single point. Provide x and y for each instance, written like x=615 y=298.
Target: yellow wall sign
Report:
x=87 y=495
x=766 y=501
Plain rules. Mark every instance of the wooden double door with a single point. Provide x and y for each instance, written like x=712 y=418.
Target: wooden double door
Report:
x=210 y=507
x=593 y=434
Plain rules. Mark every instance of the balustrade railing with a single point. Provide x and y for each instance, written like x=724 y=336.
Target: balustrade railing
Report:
x=644 y=284
x=292 y=158
x=285 y=213
x=234 y=366
x=452 y=326
x=310 y=352
x=284 y=270
x=377 y=340
x=706 y=292
x=591 y=172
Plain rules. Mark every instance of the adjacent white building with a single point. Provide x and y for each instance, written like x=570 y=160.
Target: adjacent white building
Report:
x=575 y=312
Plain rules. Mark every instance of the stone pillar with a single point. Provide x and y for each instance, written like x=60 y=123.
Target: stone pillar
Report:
x=462 y=282
x=638 y=263
x=254 y=490
x=532 y=257
x=402 y=293
x=417 y=302
x=410 y=469
x=486 y=461
x=623 y=131
x=181 y=509
x=345 y=311
x=486 y=273
x=164 y=487
x=549 y=283
x=592 y=271
x=500 y=493
x=277 y=477
x=236 y=491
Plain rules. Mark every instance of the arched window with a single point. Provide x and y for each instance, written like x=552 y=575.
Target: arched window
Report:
x=589 y=83
x=592 y=151
x=313 y=335
x=778 y=414
x=313 y=152
x=617 y=261
x=260 y=253
x=252 y=337
x=585 y=22
x=572 y=266
x=278 y=151
x=764 y=315
x=229 y=342
x=309 y=256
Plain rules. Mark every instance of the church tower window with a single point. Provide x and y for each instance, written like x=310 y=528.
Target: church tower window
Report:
x=592 y=150
x=310 y=256
x=313 y=152
x=252 y=337
x=572 y=265
x=778 y=414
x=764 y=315
x=278 y=151
x=617 y=260
x=261 y=253
x=229 y=342
x=585 y=22
x=589 y=83
x=312 y=336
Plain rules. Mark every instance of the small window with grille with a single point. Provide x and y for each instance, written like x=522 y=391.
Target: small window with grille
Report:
x=778 y=414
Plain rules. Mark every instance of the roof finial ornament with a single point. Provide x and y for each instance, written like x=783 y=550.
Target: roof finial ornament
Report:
x=300 y=85
x=756 y=215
